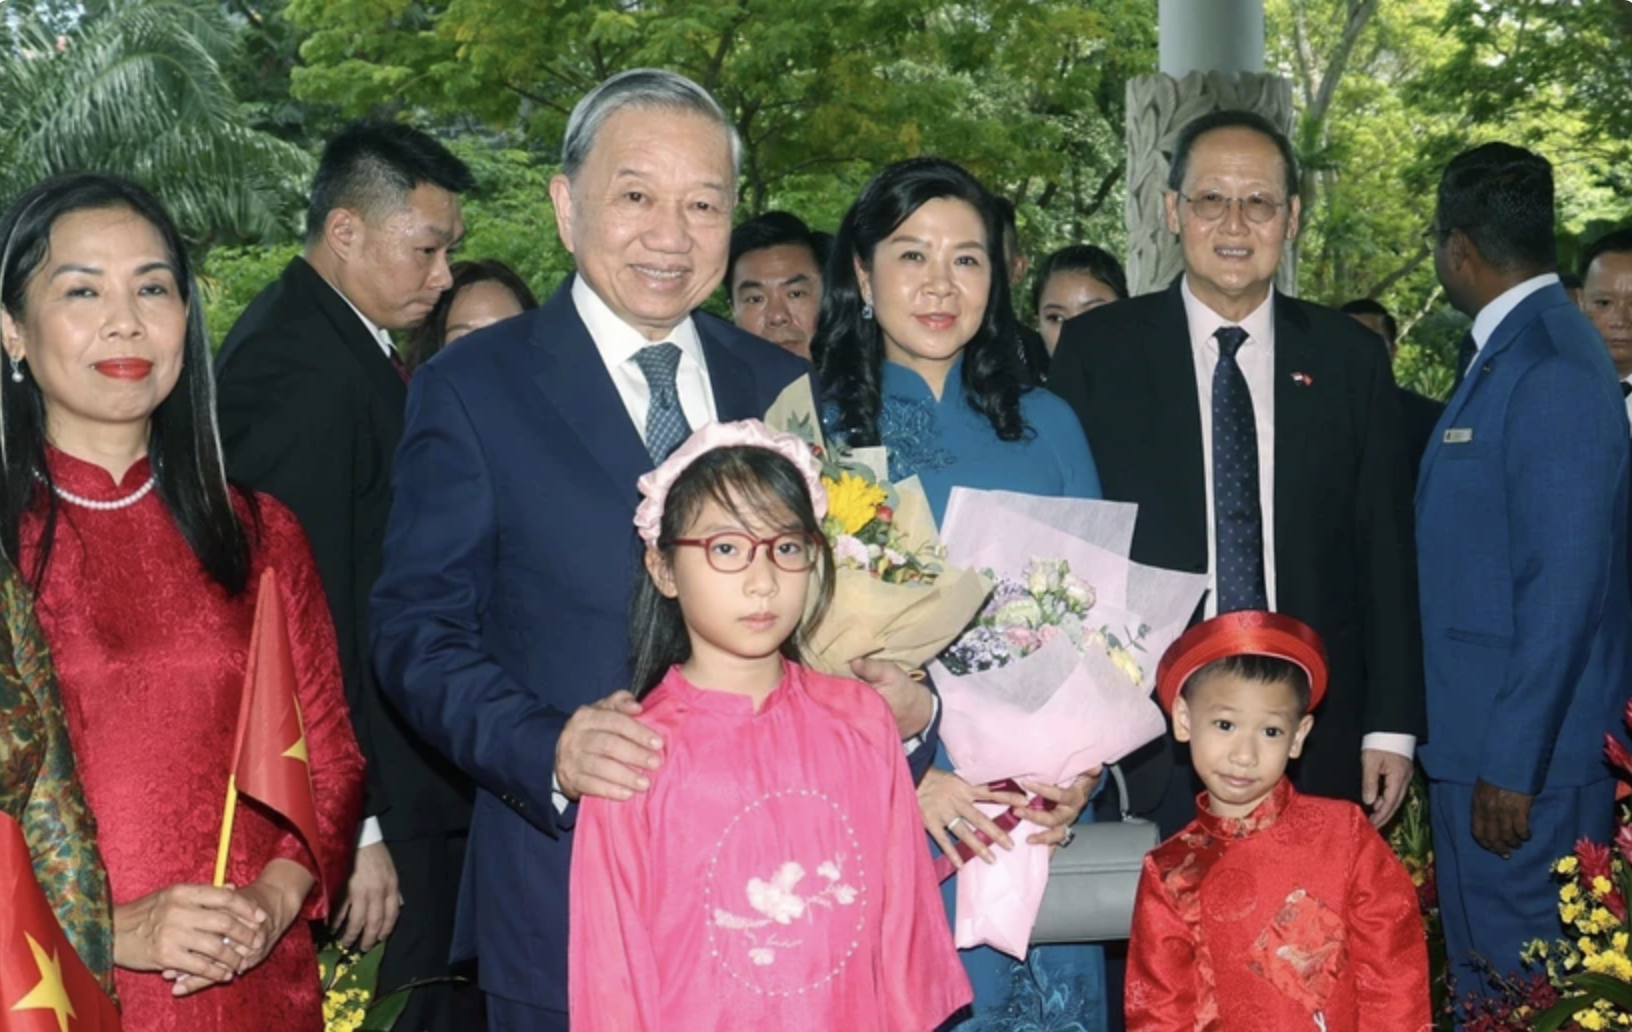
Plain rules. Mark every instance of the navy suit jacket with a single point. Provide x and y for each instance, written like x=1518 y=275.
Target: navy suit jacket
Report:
x=510 y=564
x=1521 y=531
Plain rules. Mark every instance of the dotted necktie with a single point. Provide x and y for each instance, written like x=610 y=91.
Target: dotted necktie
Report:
x=1237 y=516
x=1466 y=351
x=666 y=426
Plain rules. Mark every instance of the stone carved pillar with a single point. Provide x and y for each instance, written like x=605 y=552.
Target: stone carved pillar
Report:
x=1158 y=107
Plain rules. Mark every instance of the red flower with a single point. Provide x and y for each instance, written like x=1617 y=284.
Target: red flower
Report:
x=1616 y=904
x=1623 y=842
x=1594 y=859
x=1428 y=894
x=1617 y=755
x=885 y=514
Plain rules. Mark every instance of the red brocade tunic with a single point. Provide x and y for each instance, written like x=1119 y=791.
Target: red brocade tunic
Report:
x=150 y=653
x=1294 y=918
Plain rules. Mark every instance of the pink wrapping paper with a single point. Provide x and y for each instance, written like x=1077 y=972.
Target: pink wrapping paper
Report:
x=1057 y=712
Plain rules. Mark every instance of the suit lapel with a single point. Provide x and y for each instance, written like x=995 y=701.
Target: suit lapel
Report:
x=1297 y=398
x=363 y=347
x=1170 y=370
x=730 y=377
x=1502 y=338
x=573 y=377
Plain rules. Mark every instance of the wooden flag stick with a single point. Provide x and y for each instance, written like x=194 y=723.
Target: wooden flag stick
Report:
x=226 y=832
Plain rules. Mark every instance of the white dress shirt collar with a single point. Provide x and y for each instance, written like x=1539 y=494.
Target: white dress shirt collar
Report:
x=1491 y=316
x=381 y=337
x=1204 y=322
x=617 y=343
x=617 y=340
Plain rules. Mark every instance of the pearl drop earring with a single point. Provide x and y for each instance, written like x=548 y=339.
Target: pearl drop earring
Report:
x=16 y=370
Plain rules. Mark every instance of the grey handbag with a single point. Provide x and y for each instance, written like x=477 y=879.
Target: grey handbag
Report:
x=1092 y=882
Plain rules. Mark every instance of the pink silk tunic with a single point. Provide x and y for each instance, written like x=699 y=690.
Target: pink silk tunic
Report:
x=775 y=875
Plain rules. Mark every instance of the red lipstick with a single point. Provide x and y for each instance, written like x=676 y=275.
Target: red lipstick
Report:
x=124 y=368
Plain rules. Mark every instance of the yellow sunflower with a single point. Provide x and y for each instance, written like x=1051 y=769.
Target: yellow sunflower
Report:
x=852 y=502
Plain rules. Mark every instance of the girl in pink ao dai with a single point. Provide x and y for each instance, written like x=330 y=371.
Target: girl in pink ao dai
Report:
x=775 y=875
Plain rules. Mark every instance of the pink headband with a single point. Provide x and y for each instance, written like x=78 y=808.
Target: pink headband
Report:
x=747 y=433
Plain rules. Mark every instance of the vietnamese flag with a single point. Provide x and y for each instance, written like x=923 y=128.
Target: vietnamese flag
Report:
x=44 y=986
x=269 y=754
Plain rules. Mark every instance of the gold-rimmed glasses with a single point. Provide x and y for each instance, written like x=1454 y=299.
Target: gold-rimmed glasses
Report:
x=1210 y=206
x=733 y=552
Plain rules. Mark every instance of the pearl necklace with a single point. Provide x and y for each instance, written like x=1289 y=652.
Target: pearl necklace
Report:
x=91 y=503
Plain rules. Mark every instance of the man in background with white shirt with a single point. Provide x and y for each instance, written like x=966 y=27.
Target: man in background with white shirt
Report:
x=1261 y=437
x=311 y=397
x=1522 y=534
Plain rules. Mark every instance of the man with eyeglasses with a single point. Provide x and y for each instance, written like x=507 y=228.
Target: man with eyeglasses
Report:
x=1262 y=439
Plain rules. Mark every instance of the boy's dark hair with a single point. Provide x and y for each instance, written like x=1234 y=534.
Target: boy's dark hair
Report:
x=1259 y=670
x=755 y=485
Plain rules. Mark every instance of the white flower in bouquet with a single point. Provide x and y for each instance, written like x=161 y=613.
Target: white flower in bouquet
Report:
x=1026 y=612
x=1079 y=591
x=850 y=553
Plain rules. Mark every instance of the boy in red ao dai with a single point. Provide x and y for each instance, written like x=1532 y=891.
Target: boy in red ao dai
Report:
x=1271 y=911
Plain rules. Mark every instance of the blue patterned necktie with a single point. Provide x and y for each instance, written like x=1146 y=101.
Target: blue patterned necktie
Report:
x=1237 y=515
x=666 y=426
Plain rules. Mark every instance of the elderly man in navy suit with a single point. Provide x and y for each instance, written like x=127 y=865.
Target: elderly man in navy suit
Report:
x=500 y=622
x=1521 y=529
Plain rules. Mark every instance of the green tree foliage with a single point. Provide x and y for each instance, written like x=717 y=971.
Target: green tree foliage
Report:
x=1028 y=93
x=138 y=87
x=1388 y=92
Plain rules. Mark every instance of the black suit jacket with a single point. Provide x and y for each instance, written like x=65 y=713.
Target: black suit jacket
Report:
x=1345 y=558
x=311 y=411
x=1421 y=415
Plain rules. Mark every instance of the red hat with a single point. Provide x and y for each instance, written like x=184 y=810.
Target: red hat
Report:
x=1248 y=632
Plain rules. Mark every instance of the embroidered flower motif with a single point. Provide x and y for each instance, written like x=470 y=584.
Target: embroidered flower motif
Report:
x=776 y=898
x=777 y=901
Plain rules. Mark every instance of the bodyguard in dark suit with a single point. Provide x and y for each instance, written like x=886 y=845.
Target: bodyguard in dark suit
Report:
x=501 y=621
x=1260 y=436
x=311 y=407
x=1521 y=529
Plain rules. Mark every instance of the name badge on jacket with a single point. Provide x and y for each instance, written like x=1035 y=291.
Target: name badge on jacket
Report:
x=1459 y=435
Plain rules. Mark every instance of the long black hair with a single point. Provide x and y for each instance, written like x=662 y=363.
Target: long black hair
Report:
x=757 y=486
x=182 y=445
x=850 y=349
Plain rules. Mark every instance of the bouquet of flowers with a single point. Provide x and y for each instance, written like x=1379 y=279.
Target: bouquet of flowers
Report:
x=1027 y=612
x=895 y=597
x=1055 y=676
x=1587 y=980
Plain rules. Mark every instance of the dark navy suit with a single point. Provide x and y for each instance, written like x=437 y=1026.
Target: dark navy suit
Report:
x=504 y=604
x=1522 y=550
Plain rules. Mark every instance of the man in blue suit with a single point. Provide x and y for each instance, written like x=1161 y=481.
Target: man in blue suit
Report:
x=500 y=621
x=1521 y=539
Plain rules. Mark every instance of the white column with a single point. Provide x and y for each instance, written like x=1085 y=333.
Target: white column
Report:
x=1225 y=36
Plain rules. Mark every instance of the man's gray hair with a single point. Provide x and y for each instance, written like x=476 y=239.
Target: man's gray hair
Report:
x=642 y=89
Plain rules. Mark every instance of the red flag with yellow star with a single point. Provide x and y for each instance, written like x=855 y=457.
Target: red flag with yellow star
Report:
x=269 y=755
x=44 y=986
